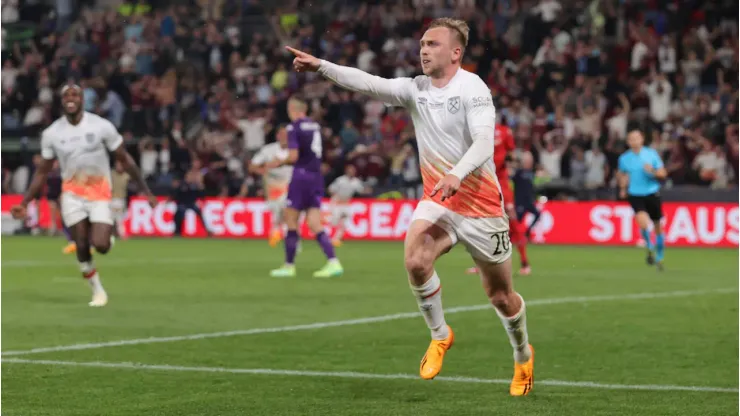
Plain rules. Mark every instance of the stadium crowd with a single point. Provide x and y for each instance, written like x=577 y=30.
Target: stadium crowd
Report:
x=199 y=85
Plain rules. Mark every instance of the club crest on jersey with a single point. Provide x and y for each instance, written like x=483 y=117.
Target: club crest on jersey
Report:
x=90 y=137
x=453 y=104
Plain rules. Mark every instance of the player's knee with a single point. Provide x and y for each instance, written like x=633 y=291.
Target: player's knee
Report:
x=501 y=299
x=101 y=244
x=419 y=264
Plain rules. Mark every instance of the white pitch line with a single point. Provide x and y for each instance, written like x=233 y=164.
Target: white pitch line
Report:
x=367 y=376
x=359 y=321
x=18 y=264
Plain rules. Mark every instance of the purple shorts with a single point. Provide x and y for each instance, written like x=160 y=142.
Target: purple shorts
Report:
x=305 y=190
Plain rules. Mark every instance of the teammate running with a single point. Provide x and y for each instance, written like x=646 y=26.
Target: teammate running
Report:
x=275 y=180
x=503 y=147
x=81 y=142
x=453 y=115
x=640 y=172
x=305 y=190
x=342 y=190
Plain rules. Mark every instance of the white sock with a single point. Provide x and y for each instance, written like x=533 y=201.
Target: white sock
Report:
x=516 y=329
x=429 y=298
x=92 y=277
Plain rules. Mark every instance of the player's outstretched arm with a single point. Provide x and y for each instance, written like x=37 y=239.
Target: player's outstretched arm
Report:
x=396 y=91
x=37 y=182
x=133 y=170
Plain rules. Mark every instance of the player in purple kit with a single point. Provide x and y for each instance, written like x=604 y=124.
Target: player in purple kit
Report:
x=305 y=190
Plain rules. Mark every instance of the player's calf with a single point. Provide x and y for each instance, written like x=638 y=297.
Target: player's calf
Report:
x=511 y=310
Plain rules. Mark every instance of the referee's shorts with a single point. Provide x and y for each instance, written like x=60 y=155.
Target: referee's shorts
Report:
x=647 y=203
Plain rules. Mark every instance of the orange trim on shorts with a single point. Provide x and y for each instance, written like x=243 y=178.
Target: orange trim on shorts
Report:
x=275 y=192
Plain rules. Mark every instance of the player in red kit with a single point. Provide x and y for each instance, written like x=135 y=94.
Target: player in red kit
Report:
x=503 y=146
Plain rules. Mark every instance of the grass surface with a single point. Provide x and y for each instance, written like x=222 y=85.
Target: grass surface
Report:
x=583 y=321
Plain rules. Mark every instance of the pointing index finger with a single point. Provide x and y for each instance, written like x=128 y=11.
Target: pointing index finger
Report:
x=295 y=52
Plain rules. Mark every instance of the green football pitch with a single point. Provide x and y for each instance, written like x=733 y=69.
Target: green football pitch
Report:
x=196 y=327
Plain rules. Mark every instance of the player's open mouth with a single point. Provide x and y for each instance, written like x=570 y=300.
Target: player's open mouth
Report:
x=70 y=106
x=425 y=61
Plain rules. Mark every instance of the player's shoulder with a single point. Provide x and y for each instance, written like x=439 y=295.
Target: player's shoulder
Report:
x=99 y=121
x=53 y=127
x=472 y=84
x=94 y=118
x=307 y=124
x=653 y=152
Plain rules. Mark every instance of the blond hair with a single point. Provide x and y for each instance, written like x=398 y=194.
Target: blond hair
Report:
x=298 y=104
x=458 y=27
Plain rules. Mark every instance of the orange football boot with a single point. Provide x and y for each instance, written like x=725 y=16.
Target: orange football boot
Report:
x=275 y=237
x=69 y=248
x=431 y=363
x=523 y=380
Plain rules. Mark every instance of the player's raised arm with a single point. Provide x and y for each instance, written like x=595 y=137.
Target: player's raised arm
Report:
x=396 y=91
x=481 y=120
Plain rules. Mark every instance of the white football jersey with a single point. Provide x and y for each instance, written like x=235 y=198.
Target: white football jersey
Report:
x=82 y=151
x=344 y=187
x=443 y=118
x=272 y=152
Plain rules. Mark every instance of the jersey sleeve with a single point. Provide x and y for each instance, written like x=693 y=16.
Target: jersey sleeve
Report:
x=111 y=137
x=510 y=145
x=621 y=164
x=480 y=115
x=47 y=150
x=260 y=158
x=335 y=185
x=397 y=91
x=292 y=137
x=657 y=161
x=359 y=186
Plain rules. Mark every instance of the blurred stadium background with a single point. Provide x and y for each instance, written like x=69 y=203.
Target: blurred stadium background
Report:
x=203 y=84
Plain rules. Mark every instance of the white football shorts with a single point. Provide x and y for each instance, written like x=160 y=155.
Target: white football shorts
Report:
x=340 y=212
x=76 y=209
x=486 y=239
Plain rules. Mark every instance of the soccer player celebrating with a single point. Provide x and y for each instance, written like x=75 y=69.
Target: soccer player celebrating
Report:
x=275 y=180
x=81 y=141
x=342 y=190
x=453 y=116
x=305 y=190
x=640 y=172
x=503 y=146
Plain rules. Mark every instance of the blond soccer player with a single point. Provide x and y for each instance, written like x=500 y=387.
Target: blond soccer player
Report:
x=81 y=142
x=453 y=118
x=275 y=180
